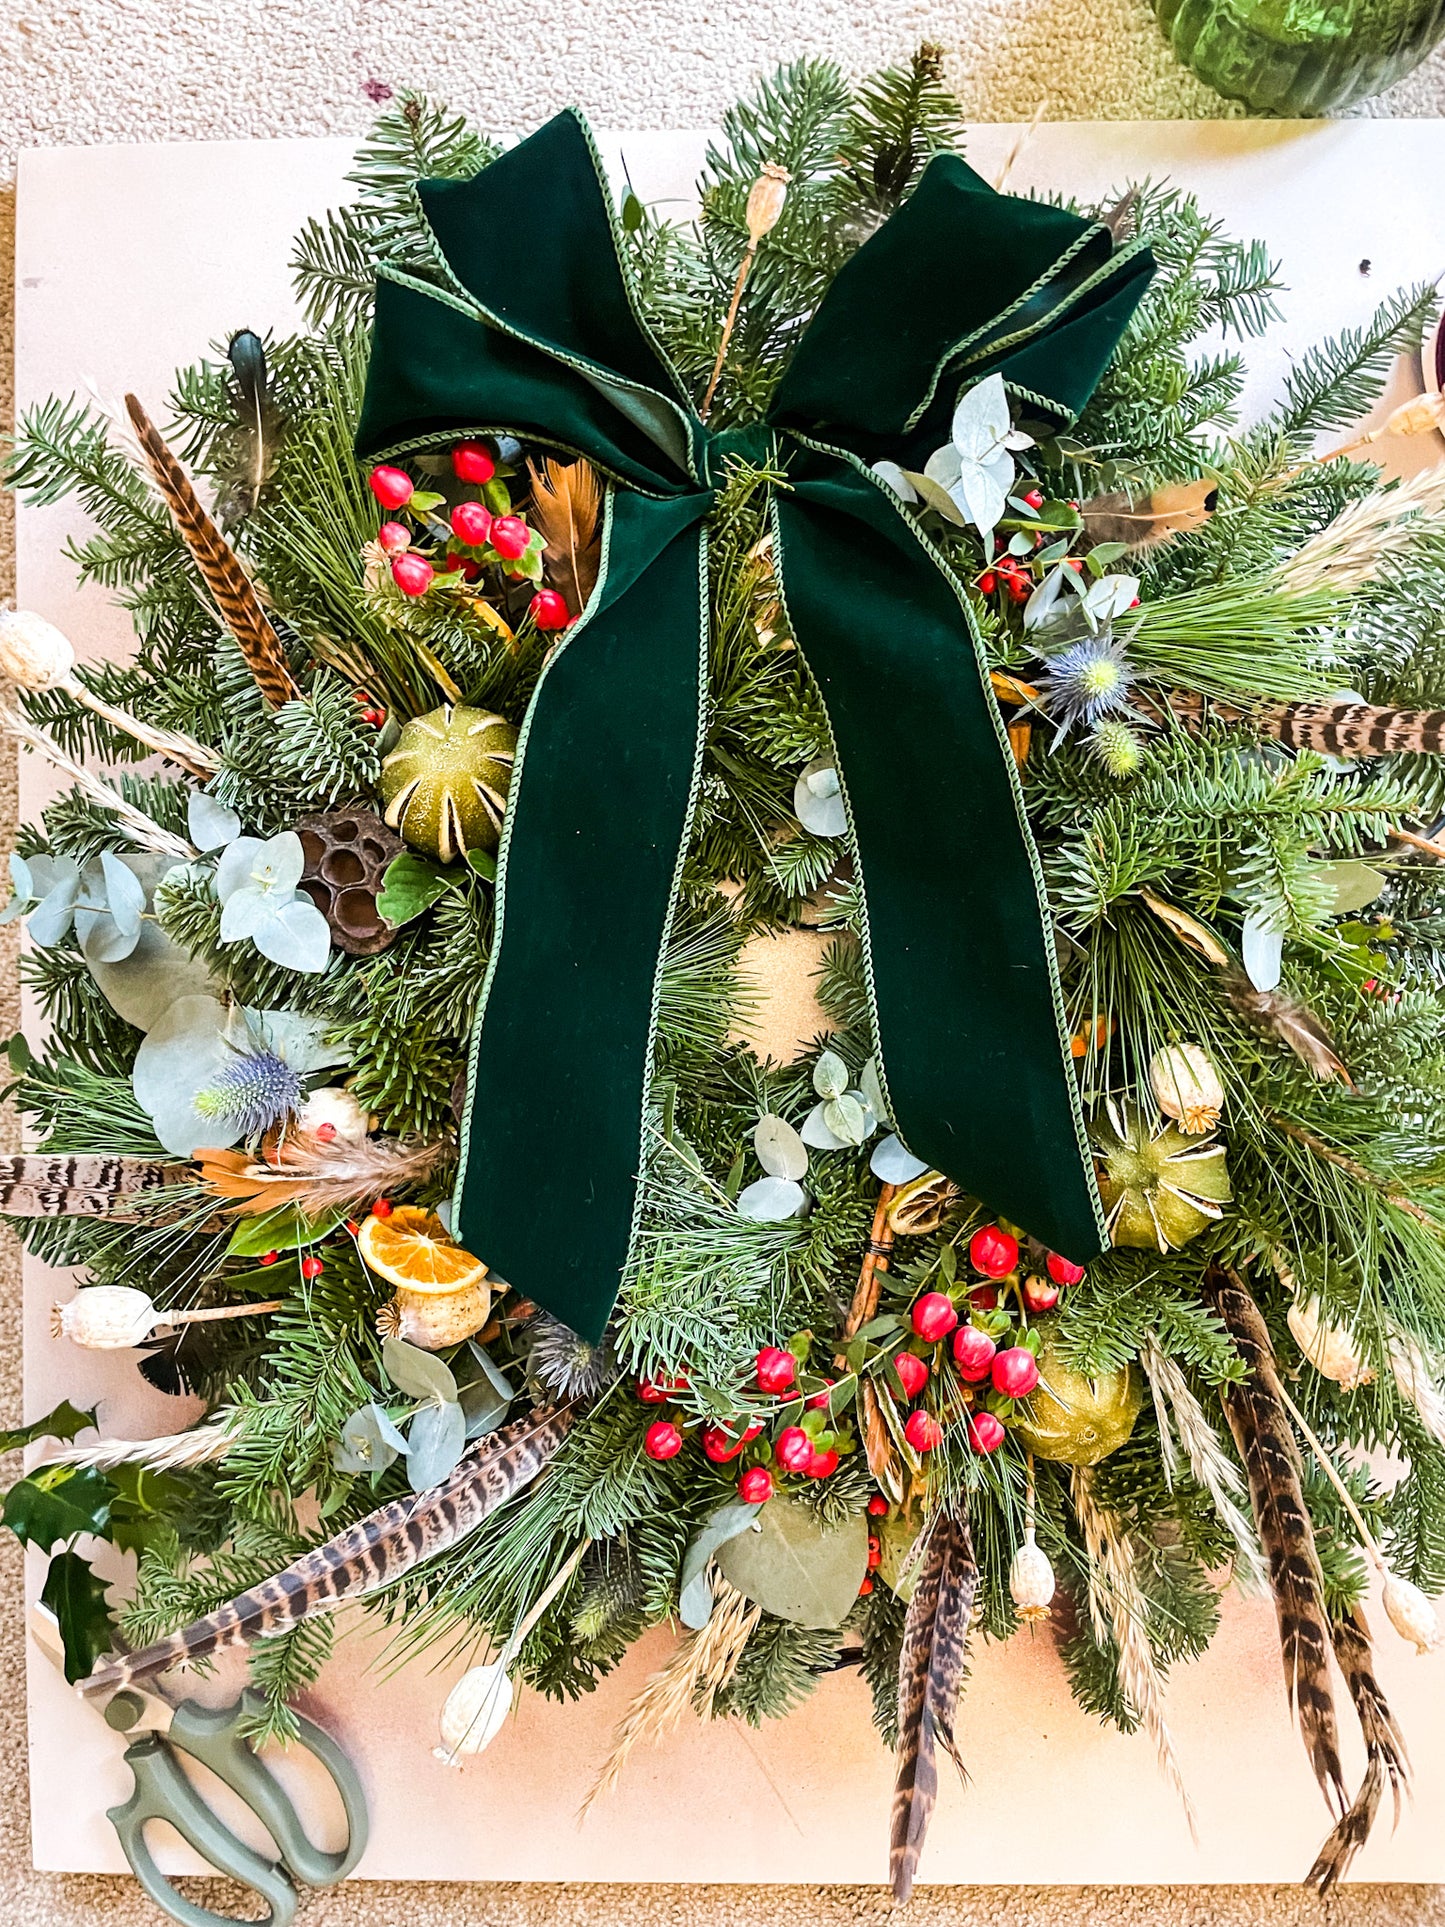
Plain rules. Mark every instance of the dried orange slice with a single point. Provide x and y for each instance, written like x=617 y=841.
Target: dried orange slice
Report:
x=411 y=1248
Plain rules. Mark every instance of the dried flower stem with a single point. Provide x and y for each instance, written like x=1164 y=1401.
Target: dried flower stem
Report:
x=694 y=1676
x=142 y=829
x=170 y=743
x=765 y=204
x=1349 y=551
x=173 y=1452
x=1184 y=1424
x=1359 y=1172
x=1021 y=141
x=1119 y=1610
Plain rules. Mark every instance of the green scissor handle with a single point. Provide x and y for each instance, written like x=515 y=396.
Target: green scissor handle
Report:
x=163 y=1792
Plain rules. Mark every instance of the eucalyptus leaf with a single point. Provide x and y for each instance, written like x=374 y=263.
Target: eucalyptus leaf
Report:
x=244 y=911
x=781 y=1152
x=815 y=1129
x=369 y=1442
x=417 y=1373
x=895 y=478
x=182 y=1052
x=51 y=918
x=491 y=1370
x=124 y=894
x=846 y=1118
x=303 y=1041
x=101 y=939
x=891 y=1163
x=871 y=1086
x=771 y=1200
x=436 y=1439
x=483 y=1407
x=818 y=799
x=297 y=936
x=694 y=1588
x=1263 y=953
x=830 y=1075
x=933 y=495
x=233 y=871
x=1352 y=884
x=210 y=823
x=797 y=1568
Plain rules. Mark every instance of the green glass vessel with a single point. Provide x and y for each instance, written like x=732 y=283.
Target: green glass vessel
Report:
x=1300 y=57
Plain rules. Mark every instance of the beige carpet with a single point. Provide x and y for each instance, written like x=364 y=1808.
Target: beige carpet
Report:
x=82 y=71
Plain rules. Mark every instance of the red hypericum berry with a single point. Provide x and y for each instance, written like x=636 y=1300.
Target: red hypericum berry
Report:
x=353 y=1227
x=510 y=536
x=875 y=1554
x=1073 y=562
x=394 y=538
x=987 y=582
x=877 y=1506
x=657 y=1391
x=549 y=610
x=793 y=1449
x=471 y=523
x=985 y=1432
x=362 y=696
x=819 y=1401
x=1020 y=587
x=311 y=1268
x=326 y=1132
x=822 y=1465
x=865 y=1588
x=984 y=1298
x=720 y=1445
x=376 y=717
x=993 y=1252
x=1034 y=499
x=776 y=1369
x=1015 y=1372
x=934 y=1316
x=662 y=1440
x=269 y=1257
x=471 y=462
x=1062 y=1271
x=923 y=1431
x=412 y=573
x=392 y=487
x=912 y=1373
x=755 y=1487
x=973 y=1353
x=466 y=566
x=382 y=1208
x=1039 y=1294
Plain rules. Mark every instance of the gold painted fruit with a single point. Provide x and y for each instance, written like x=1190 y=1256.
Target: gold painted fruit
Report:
x=1160 y=1187
x=1070 y=1418
x=445 y=784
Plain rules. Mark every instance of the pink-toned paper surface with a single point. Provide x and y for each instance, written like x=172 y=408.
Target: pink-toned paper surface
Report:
x=130 y=261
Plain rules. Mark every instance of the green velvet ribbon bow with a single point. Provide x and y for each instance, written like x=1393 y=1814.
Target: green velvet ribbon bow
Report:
x=535 y=331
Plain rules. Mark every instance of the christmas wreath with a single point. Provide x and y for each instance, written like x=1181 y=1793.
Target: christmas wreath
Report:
x=583 y=599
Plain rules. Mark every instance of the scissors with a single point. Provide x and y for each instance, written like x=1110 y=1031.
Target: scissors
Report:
x=163 y=1791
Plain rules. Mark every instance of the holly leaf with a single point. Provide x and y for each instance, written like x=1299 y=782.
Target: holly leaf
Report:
x=77 y=1598
x=53 y=1507
x=141 y=1506
x=63 y=1423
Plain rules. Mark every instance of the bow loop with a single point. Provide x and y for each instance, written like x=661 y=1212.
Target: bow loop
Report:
x=548 y=343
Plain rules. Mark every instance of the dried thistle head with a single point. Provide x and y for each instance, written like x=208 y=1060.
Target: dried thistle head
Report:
x=566 y=1364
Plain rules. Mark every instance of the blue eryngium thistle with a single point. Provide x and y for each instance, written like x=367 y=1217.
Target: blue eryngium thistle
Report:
x=1085 y=683
x=564 y=1363
x=1116 y=746
x=251 y=1094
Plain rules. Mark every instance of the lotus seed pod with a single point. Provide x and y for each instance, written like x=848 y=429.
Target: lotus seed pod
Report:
x=106 y=1318
x=1411 y=1613
x=331 y=1106
x=474 y=1712
x=1330 y=1348
x=1031 y=1579
x=33 y=652
x=1160 y=1186
x=1187 y=1087
x=765 y=201
x=433 y=1320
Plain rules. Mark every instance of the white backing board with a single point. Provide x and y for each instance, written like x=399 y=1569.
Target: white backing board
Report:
x=130 y=261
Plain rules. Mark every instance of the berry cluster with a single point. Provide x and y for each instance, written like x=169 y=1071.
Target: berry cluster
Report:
x=1035 y=537
x=478 y=534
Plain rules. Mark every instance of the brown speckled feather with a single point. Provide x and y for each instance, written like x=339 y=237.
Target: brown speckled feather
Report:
x=37 y=1186
x=373 y=1553
x=1385 y=1757
x=231 y=589
x=1266 y=1443
x=931 y=1669
x=1355 y=729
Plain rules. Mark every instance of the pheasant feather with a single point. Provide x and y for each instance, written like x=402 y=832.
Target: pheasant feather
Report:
x=931 y=1669
x=37 y=1186
x=1355 y=729
x=1260 y=1425
x=1385 y=1757
x=375 y=1552
x=220 y=568
x=567 y=511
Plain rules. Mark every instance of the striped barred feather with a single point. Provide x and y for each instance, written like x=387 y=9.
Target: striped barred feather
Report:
x=1355 y=729
x=931 y=1669
x=37 y=1186
x=1267 y=1446
x=231 y=589
x=373 y=1553
x=1385 y=1757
